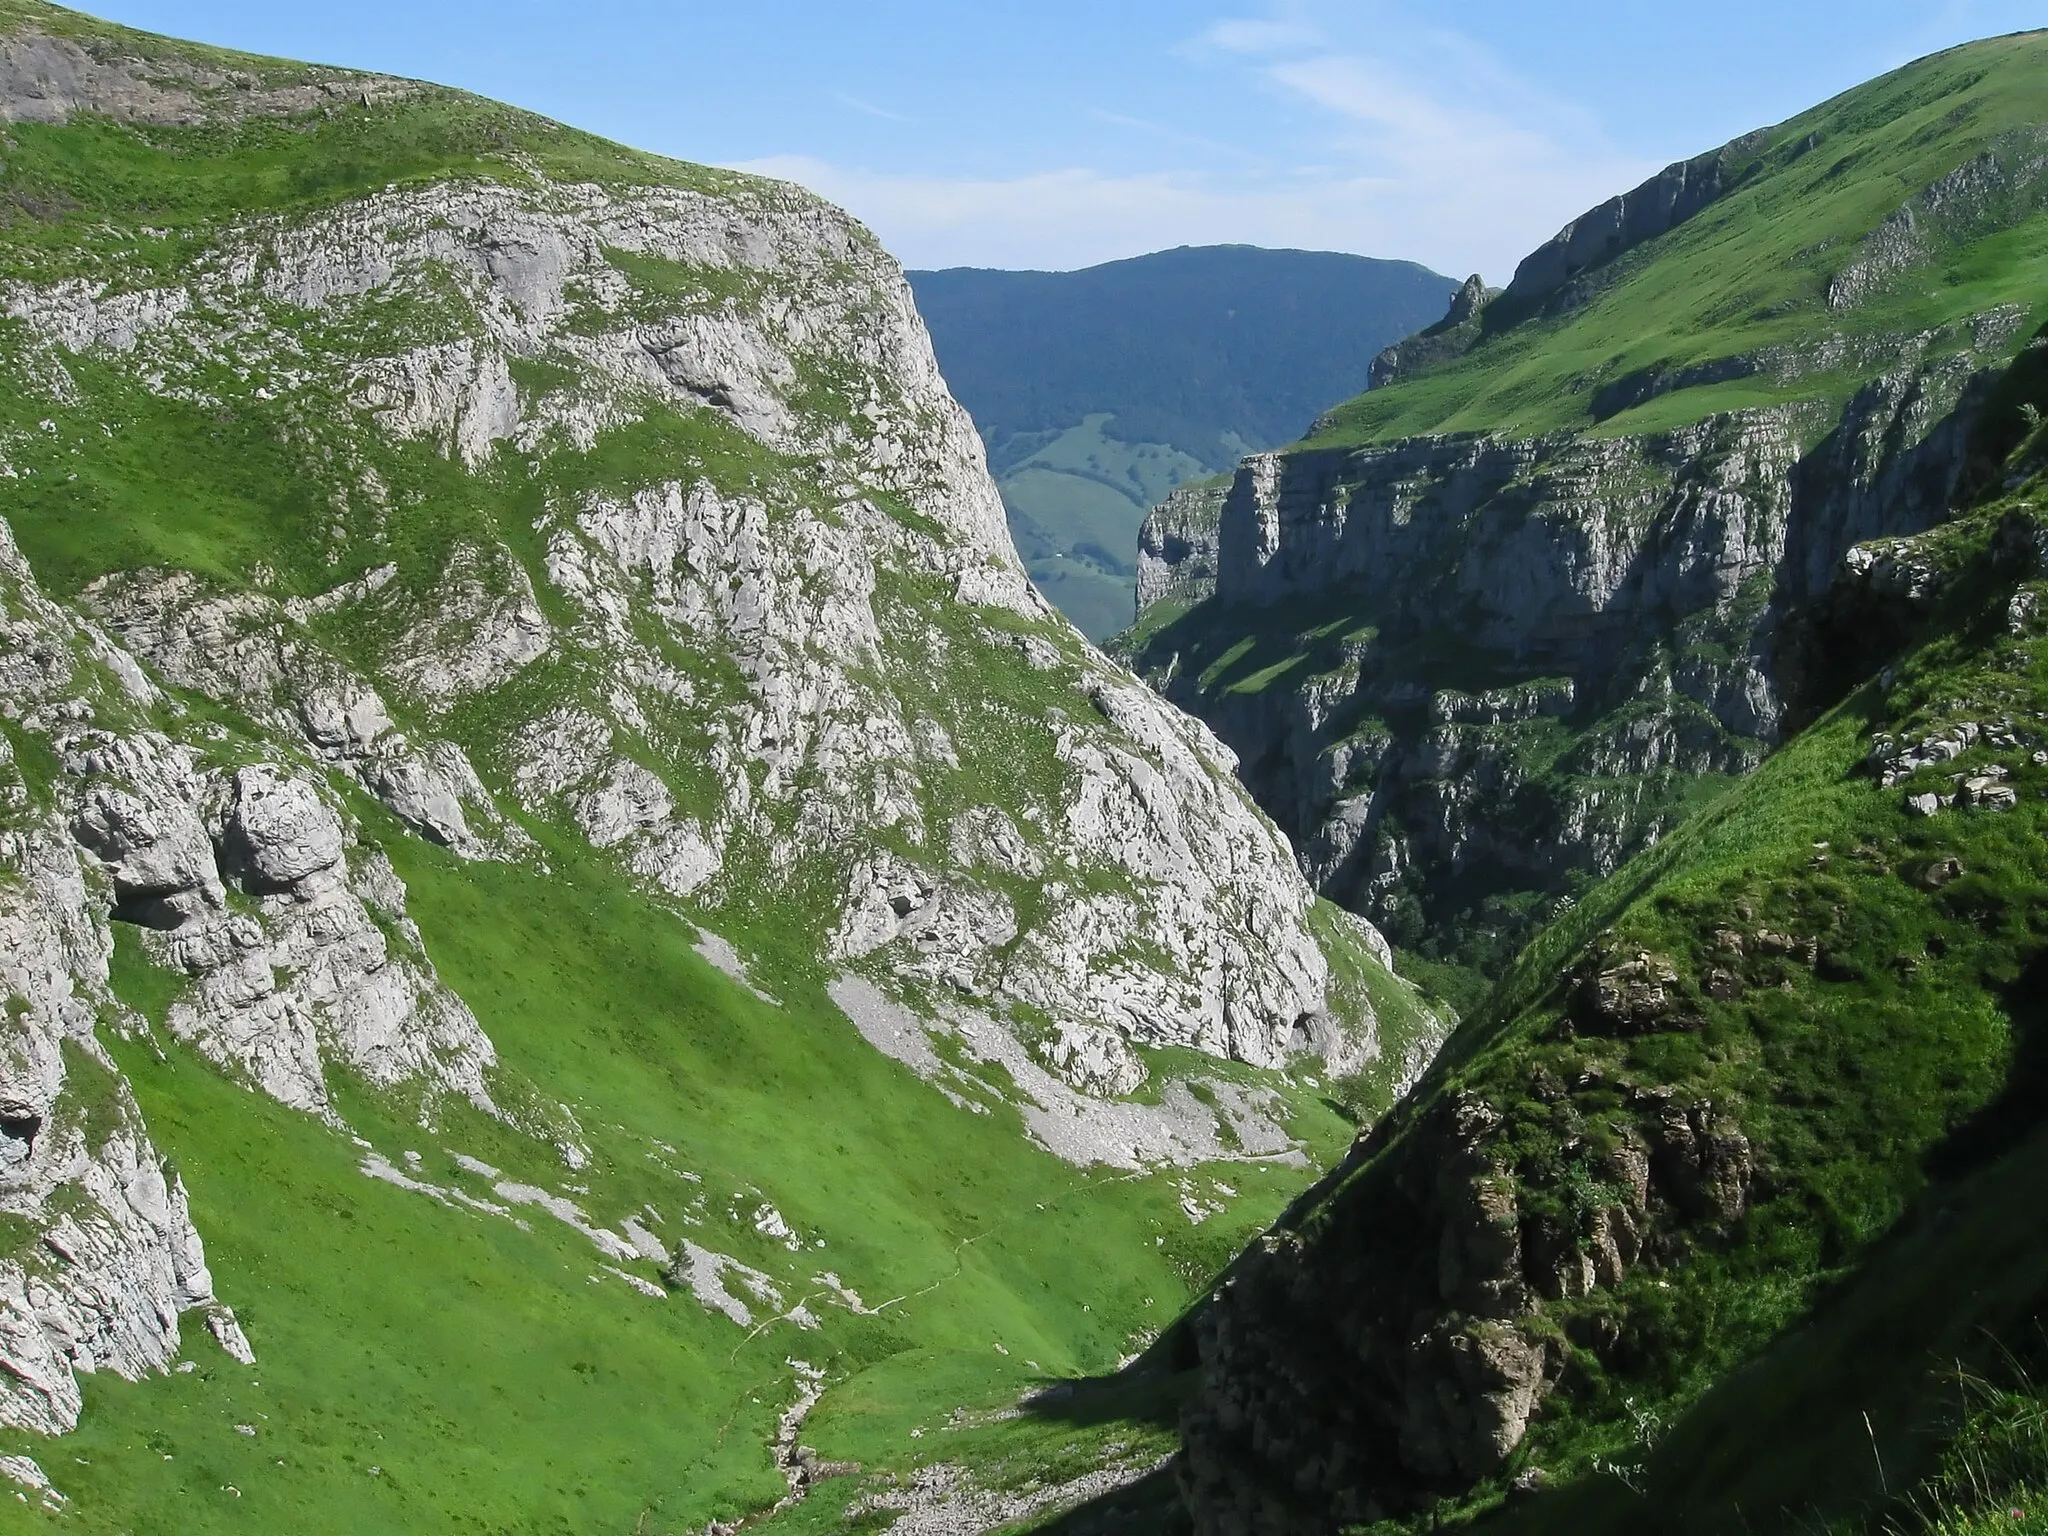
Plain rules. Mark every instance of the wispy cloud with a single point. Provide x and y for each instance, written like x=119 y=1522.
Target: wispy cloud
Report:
x=868 y=107
x=1255 y=36
x=1394 y=128
x=1168 y=134
x=1411 y=142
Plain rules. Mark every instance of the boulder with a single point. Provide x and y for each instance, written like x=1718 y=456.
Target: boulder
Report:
x=157 y=853
x=278 y=832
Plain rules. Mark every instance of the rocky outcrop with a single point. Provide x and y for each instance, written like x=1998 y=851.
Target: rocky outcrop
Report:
x=1454 y=335
x=254 y=652
x=1397 y=1346
x=1999 y=187
x=51 y=79
x=1666 y=200
x=101 y=1258
x=1177 y=546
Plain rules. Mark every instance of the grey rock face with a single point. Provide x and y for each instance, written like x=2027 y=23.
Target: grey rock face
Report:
x=46 y=79
x=310 y=973
x=1668 y=199
x=118 y=1262
x=255 y=653
x=1636 y=584
x=158 y=856
x=484 y=629
x=1059 y=1088
x=1453 y=336
x=1467 y=301
x=280 y=832
x=1177 y=547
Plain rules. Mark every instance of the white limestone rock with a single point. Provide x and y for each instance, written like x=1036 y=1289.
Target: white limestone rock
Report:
x=310 y=973
x=767 y=674
x=119 y=1261
x=484 y=628
x=251 y=651
x=280 y=833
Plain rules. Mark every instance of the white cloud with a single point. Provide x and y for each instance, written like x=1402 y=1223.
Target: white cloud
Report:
x=1515 y=179
x=868 y=108
x=1077 y=217
x=1412 y=143
x=1260 y=36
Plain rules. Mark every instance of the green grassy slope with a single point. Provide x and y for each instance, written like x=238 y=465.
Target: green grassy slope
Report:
x=1858 y=990
x=498 y=1377
x=202 y=174
x=1897 y=1096
x=1748 y=276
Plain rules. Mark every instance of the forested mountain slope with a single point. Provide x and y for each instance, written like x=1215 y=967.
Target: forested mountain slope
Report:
x=1100 y=391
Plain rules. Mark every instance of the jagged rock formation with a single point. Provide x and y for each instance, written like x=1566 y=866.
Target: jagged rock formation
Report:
x=102 y=1257
x=1450 y=1346
x=1453 y=336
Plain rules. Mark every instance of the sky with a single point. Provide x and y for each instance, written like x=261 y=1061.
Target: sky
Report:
x=1060 y=133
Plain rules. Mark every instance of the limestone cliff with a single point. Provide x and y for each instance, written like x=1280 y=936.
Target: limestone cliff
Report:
x=536 y=488
x=1577 y=1275
x=1544 y=637
x=1468 y=668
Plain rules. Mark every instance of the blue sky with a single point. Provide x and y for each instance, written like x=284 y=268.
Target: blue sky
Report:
x=1057 y=133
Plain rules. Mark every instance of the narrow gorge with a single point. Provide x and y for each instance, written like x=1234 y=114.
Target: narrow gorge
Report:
x=1655 y=654
x=583 y=952
x=1497 y=625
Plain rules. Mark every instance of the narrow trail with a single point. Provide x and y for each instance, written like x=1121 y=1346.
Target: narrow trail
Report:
x=937 y=1492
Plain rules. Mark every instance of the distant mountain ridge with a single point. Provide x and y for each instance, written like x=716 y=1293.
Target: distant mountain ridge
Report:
x=1100 y=391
